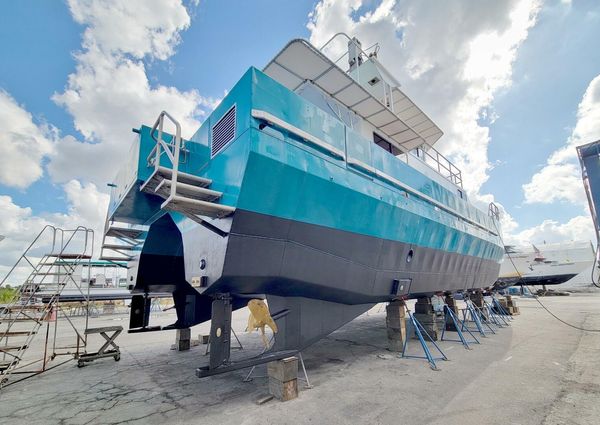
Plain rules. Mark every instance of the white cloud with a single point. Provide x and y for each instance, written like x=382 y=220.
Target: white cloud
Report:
x=136 y=27
x=556 y=182
x=578 y=228
x=451 y=59
x=560 y=178
x=107 y=96
x=109 y=92
x=23 y=144
x=16 y=222
x=86 y=207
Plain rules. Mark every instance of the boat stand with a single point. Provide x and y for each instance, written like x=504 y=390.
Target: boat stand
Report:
x=488 y=316
x=498 y=320
x=307 y=386
x=449 y=313
x=470 y=315
x=501 y=309
x=420 y=330
x=484 y=318
x=155 y=306
x=248 y=377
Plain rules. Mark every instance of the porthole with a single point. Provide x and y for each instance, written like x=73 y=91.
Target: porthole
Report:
x=409 y=257
x=202 y=264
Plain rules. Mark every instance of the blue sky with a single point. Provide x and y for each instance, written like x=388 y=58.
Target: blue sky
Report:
x=45 y=36
x=544 y=60
x=552 y=71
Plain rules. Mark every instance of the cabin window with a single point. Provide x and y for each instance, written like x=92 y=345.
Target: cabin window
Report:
x=385 y=145
x=382 y=143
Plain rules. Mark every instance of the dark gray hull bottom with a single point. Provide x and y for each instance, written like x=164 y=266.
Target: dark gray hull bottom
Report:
x=271 y=255
x=315 y=278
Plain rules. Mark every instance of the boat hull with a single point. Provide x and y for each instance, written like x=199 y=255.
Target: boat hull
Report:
x=315 y=278
x=267 y=255
x=276 y=256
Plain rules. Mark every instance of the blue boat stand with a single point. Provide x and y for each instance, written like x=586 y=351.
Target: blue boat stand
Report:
x=501 y=309
x=448 y=313
x=494 y=316
x=420 y=331
x=470 y=314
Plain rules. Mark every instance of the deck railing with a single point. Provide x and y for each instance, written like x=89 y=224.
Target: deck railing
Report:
x=438 y=162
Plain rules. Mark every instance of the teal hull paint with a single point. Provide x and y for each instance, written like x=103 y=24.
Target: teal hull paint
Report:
x=332 y=196
x=270 y=172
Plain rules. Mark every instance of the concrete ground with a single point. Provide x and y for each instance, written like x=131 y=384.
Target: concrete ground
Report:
x=538 y=371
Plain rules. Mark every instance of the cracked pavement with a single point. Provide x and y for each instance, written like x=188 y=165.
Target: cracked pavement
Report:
x=538 y=371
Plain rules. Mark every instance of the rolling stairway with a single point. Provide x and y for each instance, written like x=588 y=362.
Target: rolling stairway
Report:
x=183 y=192
x=23 y=318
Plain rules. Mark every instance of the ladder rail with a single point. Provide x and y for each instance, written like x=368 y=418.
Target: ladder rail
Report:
x=18 y=299
x=21 y=302
x=24 y=255
x=182 y=192
x=172 y=155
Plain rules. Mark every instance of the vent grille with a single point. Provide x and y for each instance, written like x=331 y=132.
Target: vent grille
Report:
x=223 y=132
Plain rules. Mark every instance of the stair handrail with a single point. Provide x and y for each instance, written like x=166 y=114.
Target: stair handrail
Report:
x=24 y=255
x=161 y=143
x=43 y=261
x=88 y=245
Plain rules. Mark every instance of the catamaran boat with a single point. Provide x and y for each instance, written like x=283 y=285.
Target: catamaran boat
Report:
x=551 y=265
x=312 y=186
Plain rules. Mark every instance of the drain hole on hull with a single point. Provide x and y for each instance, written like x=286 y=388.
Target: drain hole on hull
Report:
x=409 y=257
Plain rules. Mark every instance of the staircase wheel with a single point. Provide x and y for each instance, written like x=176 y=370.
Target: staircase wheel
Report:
x=80 y=363
x=117 y=357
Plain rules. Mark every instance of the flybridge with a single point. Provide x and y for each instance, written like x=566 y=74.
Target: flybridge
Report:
x=366 y=97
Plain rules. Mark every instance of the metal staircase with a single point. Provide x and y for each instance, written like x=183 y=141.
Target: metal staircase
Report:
x=182 y=192
x=120 y=241
x=26 y=314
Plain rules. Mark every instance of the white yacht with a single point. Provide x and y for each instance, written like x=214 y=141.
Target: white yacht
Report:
x=547 y=264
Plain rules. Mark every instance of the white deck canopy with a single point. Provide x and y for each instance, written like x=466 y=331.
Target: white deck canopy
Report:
x=404 y=124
